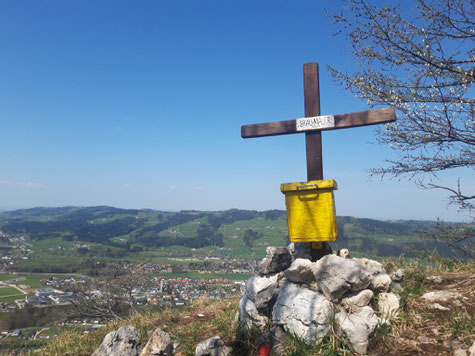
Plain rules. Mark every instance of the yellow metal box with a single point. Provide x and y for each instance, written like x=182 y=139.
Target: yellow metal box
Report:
x=311 y=212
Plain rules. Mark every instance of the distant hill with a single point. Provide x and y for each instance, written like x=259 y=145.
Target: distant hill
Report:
x=133 y=230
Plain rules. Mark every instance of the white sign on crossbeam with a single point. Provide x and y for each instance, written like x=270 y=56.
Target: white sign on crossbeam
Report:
x=315 y=123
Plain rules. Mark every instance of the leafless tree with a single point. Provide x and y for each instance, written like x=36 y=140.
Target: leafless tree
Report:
x=421 y=63
x=417 y=57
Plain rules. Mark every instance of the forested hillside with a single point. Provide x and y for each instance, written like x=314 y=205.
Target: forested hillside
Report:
x=124 y=232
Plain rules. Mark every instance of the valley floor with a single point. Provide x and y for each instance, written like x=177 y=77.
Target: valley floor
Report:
x=422 y=327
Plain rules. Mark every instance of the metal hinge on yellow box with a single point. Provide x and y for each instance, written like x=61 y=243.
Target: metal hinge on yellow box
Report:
x=311 y=215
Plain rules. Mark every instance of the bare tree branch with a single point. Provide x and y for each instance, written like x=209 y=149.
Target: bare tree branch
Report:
x=421 y=62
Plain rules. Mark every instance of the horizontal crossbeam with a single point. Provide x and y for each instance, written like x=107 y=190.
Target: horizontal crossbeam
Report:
x=362 y=118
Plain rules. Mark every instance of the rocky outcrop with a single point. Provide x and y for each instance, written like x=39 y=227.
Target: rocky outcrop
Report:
x=343 y=253
x=249 y=315
x=159 y=344
x=300 y=298
x=300 y=271
x=357 y=327
x=359 y=299
x=302 y=311
x=335 y=276
x=388 y=305
x=305 y=296
x=434 y=279
x=263 y=291
x=398 y=275
x=442 y=296
x=213 y=346
x=471 y=350
x=277 y=259
x=122 y=342
x=380 y=280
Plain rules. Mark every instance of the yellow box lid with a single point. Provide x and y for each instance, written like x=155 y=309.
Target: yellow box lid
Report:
x=311 y=185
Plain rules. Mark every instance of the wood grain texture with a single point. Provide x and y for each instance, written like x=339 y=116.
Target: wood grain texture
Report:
x=313 y=139
x=362 y=118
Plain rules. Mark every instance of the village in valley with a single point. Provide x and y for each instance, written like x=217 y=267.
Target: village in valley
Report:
x=85 y=281
x=156 y=289
x=70 y=272
x=107 y=283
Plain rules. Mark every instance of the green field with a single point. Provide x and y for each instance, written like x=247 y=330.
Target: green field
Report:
x=10 y=294
x=273 y=231
x=372 y=237
x=187 y=229
x=7 y=291
x=32 y=280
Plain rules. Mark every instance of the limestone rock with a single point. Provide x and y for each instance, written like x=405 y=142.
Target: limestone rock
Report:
x=395 y=287
x=398 y=275
x=291 y=248
x=302 y=311
x=381 y=282
x=437 y=306
x=300 y=271
x=388 y=304
x=302 y=250
x=457 y=303
x=343 y=253
x=357 y=299
x=441 y=296
x=263 y=290
x=459 y=352
x=335 y=275
x=249 y=316
x=159 y=344
x=471 y=350
x=434 y=279
x=357 y=327
x=122 y=342
x=213 y=346
x=277 y=259
x=372 y=266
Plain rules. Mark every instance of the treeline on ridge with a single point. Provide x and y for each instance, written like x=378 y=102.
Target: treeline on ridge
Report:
x=78 y=224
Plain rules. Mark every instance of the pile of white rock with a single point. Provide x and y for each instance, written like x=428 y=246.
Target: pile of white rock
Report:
x=304 y=298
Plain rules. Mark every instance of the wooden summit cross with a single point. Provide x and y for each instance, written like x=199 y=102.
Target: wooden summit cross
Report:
x=312 y=124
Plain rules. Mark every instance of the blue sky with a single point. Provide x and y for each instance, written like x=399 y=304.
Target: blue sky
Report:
x=139 y=104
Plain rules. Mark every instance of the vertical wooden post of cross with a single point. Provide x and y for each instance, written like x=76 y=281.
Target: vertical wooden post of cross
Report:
x=313 y=139
x=313 y=143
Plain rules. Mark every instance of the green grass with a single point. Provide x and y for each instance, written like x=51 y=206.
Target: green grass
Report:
x=462 y=326
x=7 y=291
x=47 y=243
x=108 y=219
x=218 y=319
x=187 y=229
x=45 y=258
x=273 y=231
x=33 y=280
x=11 y=299
x=7 y=276
x=71 y=249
